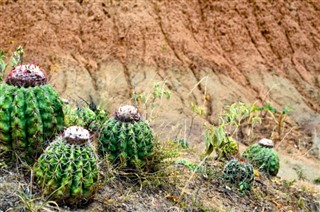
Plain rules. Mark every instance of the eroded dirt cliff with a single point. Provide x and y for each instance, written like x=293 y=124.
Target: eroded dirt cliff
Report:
x=249 y=50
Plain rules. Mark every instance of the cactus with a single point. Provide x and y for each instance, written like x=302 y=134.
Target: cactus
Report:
x=78 y=116
x=30 y=113
x=126 y=138
x=68 y=168
x=85 y=117
x=239 y=174
x=264 y=158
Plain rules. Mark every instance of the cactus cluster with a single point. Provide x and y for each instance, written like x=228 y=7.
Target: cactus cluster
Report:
x=78 y=116
x=126 y=138
x=68 y=168
x=85 y=114
x=30 y=113
x=239 y=174
x=263 y=157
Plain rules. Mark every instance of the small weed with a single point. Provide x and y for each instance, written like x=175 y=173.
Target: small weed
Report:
x=288 y=183
x=16 y=59
x=34 y=204
x=299 y=172
x=151 y=101
x=317 y=180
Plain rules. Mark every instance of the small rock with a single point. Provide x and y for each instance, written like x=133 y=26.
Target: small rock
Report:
x=266 y=143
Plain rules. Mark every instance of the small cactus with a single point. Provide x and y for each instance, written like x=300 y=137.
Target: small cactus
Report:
x=239 y=174
x=88 y=116
x=30 y=113
x=264 y=157
x=68 y=168
x=126 y=138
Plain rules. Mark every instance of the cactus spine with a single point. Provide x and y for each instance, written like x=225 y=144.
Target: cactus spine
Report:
x=30 y=113
x=264 y=157
x=68 y=168
x=239 y=174
x=127 y=139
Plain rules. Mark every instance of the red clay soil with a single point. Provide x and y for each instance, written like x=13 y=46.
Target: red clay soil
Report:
x=248 y=50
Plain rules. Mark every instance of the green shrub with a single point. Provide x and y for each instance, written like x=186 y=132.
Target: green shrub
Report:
x=216 y=139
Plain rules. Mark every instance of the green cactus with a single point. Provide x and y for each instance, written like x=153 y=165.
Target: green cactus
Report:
x=126 y=138
x=264 y=158
x=85 y=117
x=30 y=113
x=68 y=168
x=239 y=174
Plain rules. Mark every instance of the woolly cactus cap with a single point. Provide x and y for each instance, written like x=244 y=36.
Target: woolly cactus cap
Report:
x=127 y=113
x=76 y=135
x=266 y=143
x=28 y=75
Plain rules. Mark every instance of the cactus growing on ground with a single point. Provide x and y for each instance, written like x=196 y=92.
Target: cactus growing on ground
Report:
x=68 y=168
x=239 y=174
x=30 y=113
x=126 y=138
x=85 y=117
x=264 y=157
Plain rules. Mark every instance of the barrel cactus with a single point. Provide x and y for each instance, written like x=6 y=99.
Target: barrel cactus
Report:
x=68 y=168
x=263 y=156
x=239 y=174
x=30 y=113
x=126 y=138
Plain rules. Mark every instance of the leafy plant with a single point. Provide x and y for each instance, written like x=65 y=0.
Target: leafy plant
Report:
x=232 y=117
x=16 y=59
x=216 y=139
x=149 y=101
x=278 y=117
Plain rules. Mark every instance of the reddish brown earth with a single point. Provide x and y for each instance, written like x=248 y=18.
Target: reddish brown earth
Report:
x=249 y=50
x=240 y=50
